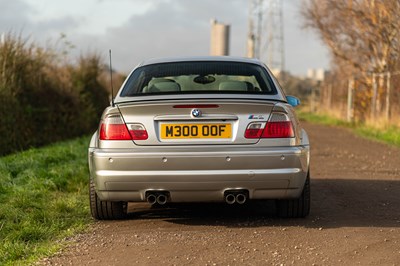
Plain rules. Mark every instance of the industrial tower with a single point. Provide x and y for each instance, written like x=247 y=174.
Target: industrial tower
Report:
x=219 y=38
x=265 y=34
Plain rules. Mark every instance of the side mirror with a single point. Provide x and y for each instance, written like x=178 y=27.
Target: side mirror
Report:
x=293 y=101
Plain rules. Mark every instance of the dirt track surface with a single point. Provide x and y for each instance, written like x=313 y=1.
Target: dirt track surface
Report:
x=354 y=220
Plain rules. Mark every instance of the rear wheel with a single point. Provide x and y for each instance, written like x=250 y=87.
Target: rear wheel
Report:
x=105 y=210
x=296 y=208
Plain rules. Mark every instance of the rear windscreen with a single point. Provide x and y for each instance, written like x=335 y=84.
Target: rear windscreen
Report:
x=199 y=77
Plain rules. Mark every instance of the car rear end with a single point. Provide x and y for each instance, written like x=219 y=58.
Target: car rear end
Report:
x=208 y=130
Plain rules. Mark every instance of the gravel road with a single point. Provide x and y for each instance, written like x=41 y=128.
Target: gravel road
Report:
x=354 y=220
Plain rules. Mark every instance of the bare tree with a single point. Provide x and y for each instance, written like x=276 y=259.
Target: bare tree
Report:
x=363 y=35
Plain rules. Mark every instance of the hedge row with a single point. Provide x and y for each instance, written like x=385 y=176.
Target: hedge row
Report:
x=43 y=98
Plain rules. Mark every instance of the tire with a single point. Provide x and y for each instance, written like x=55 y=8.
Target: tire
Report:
x=105 y=210
x=296 y=208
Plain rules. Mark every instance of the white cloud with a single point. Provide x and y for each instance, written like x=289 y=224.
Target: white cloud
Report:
x=139 y=29
x=171 y=28
x=13 y=15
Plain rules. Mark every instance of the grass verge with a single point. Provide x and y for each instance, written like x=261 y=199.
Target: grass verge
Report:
x=389 y=135
x=43 y=198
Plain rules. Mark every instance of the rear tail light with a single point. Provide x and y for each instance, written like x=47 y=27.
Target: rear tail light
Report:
x=254 y=130
x=138 y=132
x=278 y=126
x=114 y=128
x=282 y=129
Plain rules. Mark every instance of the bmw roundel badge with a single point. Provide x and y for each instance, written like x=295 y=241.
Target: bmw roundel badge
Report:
x=196 y=113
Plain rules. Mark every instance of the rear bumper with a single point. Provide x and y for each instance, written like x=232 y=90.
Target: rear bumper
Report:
x=193 y=175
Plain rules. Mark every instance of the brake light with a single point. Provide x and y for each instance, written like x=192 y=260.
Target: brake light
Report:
x=114 y=128
x=196 y=106
x=282 y=129
x=278 y=126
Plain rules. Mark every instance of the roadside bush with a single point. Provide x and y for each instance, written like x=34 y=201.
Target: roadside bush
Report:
x=43 y=100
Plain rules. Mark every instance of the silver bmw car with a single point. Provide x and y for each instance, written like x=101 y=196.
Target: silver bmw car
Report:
x=200 y=129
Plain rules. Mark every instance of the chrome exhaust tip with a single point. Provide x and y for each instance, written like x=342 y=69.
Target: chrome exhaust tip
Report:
x=151 y=198
x=241 y=198
x=162 y=199
x=230 y=199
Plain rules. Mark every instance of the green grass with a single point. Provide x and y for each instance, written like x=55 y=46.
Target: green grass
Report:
x=43 y=199
x=322 y=119
x=389 y=135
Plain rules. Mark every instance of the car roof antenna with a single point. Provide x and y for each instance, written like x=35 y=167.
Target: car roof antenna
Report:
x=111 y=80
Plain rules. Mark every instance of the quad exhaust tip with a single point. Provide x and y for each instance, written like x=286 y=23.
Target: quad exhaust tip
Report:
x=162 y=199
x=241 y=198
x=230 y=199
x=151 y=198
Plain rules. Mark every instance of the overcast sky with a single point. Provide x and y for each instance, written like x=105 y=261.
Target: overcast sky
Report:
x=139 y=29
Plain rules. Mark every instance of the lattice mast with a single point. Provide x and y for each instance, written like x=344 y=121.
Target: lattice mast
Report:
x=265 y=39
x=275 y=44
x=255 y=28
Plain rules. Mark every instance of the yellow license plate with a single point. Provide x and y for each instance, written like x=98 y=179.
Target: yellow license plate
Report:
x=196 y=131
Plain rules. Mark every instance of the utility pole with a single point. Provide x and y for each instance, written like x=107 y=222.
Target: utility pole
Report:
x=387 y=107
x=350 y=103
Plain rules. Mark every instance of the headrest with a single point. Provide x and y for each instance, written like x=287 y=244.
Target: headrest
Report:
x=164 y=87
x=233 y=86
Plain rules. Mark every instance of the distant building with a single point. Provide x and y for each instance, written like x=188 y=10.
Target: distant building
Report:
x=219 y=38
x=316 y=74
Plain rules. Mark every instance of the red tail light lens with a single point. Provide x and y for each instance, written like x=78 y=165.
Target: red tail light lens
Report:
x=282 y=129
x=114 y=128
